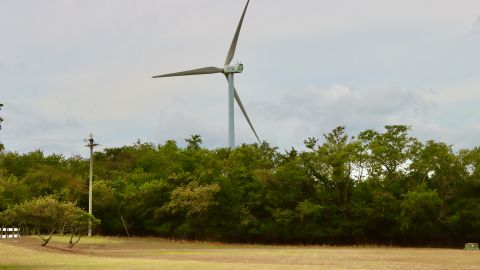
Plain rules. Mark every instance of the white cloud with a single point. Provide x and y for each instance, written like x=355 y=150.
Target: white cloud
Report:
x=68 y=68
x=315 y=111
x=440 y=115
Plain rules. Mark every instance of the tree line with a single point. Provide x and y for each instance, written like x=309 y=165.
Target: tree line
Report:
x=378 y=187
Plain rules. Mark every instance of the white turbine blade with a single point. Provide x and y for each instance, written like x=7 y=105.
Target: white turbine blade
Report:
x=237 y=98
x=198 y=71
x=233 y=46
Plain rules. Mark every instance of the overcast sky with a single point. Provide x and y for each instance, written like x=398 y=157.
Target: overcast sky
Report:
x=68 y=68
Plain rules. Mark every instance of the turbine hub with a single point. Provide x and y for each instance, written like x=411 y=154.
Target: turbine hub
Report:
x=238 y=68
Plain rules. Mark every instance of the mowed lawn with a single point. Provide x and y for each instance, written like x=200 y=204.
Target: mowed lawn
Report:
x=152 y=253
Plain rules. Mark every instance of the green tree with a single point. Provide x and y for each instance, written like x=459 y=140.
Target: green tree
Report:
x=436 y=165
x=19 y=164
x=242 y=174
x=78 y=221
x=421 y=214
x=332 y=166
x=465 y=220
x=47 y=180
x=12 y=191
x=195 y=202
x=470 y=159
x=194 y=141
x=389 y=152
x=285 y=188
x=105 y=206
x=46 y=216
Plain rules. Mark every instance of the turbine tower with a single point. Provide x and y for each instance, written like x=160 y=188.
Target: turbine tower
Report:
x=229 y=71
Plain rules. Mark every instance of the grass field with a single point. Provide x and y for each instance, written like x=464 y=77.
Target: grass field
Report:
x=151 y=253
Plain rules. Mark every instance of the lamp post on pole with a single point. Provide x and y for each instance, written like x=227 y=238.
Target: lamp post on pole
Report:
x=91 y=144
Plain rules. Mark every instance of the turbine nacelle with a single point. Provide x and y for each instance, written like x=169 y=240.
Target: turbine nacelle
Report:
x=238 y=68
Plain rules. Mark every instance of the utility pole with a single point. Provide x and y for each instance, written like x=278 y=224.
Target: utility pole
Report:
x=91 y=144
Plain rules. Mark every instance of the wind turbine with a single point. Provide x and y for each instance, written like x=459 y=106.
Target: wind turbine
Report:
x=229 y=71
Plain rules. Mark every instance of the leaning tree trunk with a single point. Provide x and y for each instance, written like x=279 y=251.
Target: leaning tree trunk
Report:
x=72 y=243
x=45 y=239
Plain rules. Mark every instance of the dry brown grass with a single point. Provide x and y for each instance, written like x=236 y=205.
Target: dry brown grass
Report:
x=152 y=253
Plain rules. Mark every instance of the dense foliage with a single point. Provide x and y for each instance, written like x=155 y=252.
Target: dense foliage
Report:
x=378 y=187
